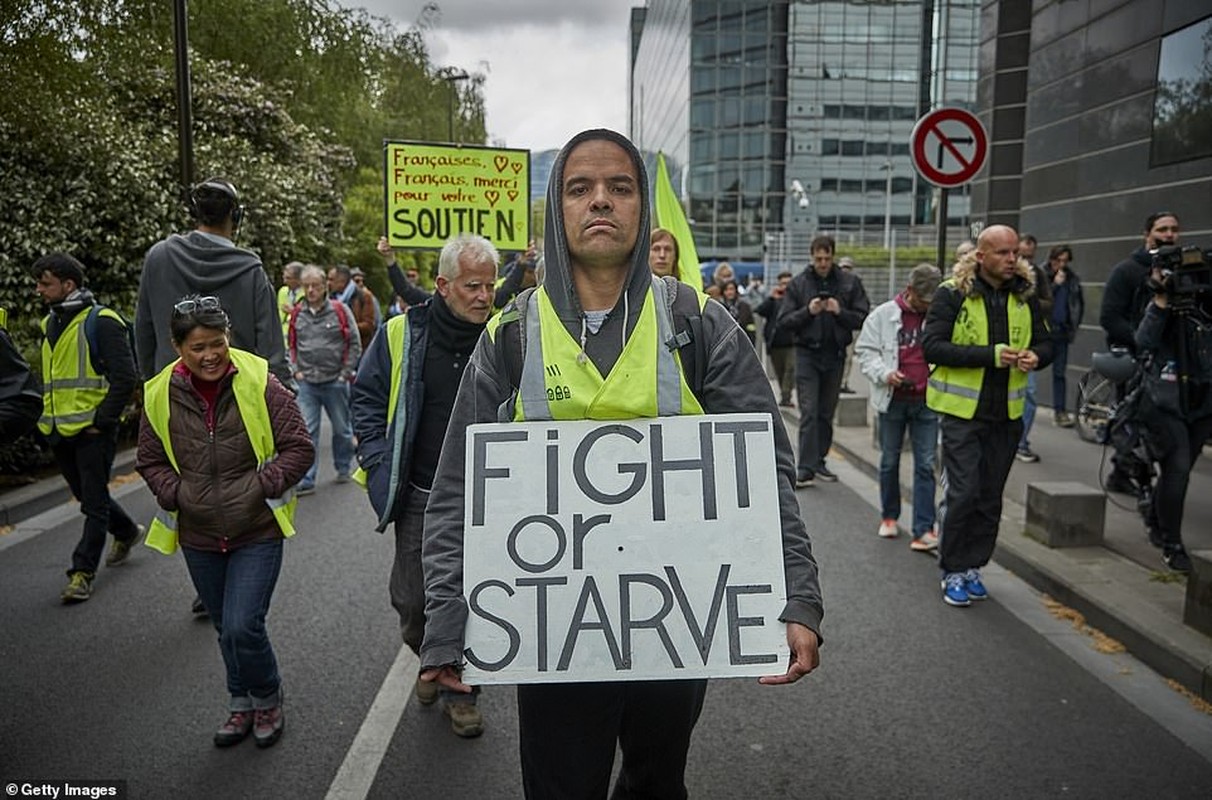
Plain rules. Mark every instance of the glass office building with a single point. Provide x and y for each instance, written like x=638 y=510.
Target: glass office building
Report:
x=793 y=118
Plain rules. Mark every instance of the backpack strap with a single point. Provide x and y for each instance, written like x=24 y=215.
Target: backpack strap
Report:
x=688 y=337
x=90 y=336
x=292 y=336
x=343 y=321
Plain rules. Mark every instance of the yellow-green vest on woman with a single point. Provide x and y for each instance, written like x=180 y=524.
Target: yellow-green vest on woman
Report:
x=71 y=389
x=248 y=384
x=957 y=390
x=559 y=382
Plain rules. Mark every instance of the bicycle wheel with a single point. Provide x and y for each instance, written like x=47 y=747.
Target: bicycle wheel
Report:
x=1095 y=400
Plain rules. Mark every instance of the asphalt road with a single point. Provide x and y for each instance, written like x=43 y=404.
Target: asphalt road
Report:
x=913 y=698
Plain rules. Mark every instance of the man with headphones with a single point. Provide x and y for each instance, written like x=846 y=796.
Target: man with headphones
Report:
x=206 y=261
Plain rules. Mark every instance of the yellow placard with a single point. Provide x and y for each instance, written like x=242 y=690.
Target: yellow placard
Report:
x=434 y=192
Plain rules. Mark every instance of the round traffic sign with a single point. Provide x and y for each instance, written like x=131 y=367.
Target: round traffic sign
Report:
x=948 y=146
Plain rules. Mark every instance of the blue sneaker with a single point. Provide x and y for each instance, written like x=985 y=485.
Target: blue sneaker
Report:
x=954 y=593
x=972 y=584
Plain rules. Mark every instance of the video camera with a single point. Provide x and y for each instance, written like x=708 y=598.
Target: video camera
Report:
x=1186 y=272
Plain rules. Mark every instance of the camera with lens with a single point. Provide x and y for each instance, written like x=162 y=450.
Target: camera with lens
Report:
x=1186 y=272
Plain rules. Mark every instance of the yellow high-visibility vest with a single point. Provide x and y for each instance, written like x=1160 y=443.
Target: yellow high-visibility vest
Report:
x=248 y=384
x=557 y=383
x=71 y=389
x=397 y=349
x=957 y=390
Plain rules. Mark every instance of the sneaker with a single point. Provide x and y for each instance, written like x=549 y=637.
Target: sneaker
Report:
x=954 y=593
x=1176 y=558
x=342 y=477
x=786 y=404
x=120 y=551
x=1063 y=419
x=888 y=529
x=305 y=489
x=925 y=543
x=235 y=730
x=465 y=719
x=804 y=479
x=79 y=587
x=824 y=474
x=268 y=724
x=426 y=692
x=846 y=390
x=973 y=586
x=198 y=608
x=1026 y=455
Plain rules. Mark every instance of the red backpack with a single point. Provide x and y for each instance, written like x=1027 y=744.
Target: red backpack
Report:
x=342 y=319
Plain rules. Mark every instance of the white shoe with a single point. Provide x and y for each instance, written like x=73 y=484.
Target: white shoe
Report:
x=888 y=529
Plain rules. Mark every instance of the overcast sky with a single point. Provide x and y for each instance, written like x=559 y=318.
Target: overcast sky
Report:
x=553 y=67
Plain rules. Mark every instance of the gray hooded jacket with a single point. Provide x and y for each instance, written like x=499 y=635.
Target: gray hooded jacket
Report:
x=733 y=381
x=195 y=263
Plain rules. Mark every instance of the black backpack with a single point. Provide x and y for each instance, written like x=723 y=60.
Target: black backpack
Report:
x=687 y=338
x=90 y=334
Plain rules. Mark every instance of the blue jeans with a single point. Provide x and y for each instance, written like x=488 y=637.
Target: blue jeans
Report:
x=1060 y=358
x=1028 y=412
x=236 y=587
x=334 y=398
x=923 y=435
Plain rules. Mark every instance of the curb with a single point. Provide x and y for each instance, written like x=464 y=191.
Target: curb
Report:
x=1115 y=594
x=28 y=501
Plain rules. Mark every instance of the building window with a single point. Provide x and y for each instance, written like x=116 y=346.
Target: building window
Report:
x=1182 y=109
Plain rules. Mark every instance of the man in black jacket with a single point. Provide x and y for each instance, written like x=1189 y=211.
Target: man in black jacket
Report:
x=984 y=334
x=1125 y=297
x=89 y=379
x=823 y=308
x=779 y=343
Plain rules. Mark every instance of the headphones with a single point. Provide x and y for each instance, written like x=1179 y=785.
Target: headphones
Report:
x=217 y=186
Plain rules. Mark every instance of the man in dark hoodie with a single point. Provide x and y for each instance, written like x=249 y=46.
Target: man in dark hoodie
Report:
x=84 y=393
x=399 y=446
x=599 y=288
x=984 y=332
x=206 y=261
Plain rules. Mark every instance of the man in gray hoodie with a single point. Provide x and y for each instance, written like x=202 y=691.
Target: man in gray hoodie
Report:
x=206 y=261
x=597 y=282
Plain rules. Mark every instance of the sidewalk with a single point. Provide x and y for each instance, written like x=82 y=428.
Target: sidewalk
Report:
x=1115 y=586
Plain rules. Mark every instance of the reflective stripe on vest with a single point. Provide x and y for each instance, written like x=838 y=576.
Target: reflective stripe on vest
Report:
x=72 y=390
x=957 y=390
x=248 y=385
x=396 y=331
x=558 y=383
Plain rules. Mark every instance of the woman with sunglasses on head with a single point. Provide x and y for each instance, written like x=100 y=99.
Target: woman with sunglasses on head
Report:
x=220 y=445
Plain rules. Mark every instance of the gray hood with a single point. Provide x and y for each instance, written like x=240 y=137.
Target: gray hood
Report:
x=557 y=280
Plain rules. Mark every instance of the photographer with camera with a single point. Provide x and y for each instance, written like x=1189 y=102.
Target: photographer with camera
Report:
x=823 y=307
x=1125 y=296
x=1174 y=341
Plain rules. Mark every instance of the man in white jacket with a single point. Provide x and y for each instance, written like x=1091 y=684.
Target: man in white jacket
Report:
x=890 y=354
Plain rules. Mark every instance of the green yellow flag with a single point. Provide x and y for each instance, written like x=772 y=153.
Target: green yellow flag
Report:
x=671 y=217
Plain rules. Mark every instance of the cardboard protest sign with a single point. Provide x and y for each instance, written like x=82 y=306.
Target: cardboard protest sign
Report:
x=434 y=192
x=634 y=550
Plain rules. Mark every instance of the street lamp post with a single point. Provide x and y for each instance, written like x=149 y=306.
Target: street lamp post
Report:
x=888 y=205
x=452 y=75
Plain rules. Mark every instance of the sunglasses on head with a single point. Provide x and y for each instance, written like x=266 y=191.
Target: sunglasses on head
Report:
x=190 y=305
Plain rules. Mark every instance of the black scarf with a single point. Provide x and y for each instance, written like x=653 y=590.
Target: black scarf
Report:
x=450 y=332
